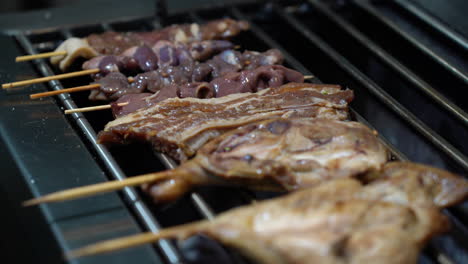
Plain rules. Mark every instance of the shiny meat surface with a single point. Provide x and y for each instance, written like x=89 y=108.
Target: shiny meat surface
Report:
x=114 y=43
x=248 y=81
x=341 y=221
x=286 y=154
x=187 y=71
x=163 y=54
x=179 y=127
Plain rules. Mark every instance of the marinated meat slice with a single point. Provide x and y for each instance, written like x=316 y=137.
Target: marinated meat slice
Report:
x=179 y=127
x=341 y=221
x=115 y=43
x=282 y=154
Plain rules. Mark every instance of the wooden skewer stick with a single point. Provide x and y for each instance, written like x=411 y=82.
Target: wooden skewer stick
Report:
x=136 y=240
x=116 y=244
x=68 y=90
x=49 y=78
x=40 y=55
x=71 y=90
x=92 y=108
x=307 y=77
x=104 y=187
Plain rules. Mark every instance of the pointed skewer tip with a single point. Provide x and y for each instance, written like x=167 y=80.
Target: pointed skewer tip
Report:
x=99 y=188
x=31 y=202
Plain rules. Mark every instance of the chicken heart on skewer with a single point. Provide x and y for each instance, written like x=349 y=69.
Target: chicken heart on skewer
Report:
x=234 y=82
x=387 y=221
x=162 y=54
x=115 y=84
x=114 y=43
x=179 y=127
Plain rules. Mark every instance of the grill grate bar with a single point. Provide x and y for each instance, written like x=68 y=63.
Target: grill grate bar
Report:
x=434 y=22
x=297 y=65
x=301 y=68
x=363 y=4
x=270 y=42
x=130 y=194
x=393 y=63
x=417 y=124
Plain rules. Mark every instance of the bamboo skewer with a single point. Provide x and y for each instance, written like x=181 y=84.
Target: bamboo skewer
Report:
x=135 y=240
x=92 y=108
x=104 y=187
x=116 y=244
x=71 y=90
x=68 y=90
x=307 y=77
x=49 y=78
x=40 y=56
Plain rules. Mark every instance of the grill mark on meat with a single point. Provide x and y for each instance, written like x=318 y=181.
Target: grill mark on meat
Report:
x=190 y=122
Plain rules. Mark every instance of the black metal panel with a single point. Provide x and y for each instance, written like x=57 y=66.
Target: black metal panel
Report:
x=52 y=157
x=451 y=58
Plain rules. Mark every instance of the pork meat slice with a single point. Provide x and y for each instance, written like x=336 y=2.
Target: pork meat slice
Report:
x=179 y=127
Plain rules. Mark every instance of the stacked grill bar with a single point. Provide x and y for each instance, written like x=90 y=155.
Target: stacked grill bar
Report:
x=332 y=63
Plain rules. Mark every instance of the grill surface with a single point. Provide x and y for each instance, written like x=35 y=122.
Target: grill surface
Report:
x=403 y=64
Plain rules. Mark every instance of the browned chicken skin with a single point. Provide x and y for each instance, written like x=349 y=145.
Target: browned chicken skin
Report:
x=278 y=154
x=341 y=221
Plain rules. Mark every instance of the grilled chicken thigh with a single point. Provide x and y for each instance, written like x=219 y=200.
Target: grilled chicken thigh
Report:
x=336 y=222
x=278 y=154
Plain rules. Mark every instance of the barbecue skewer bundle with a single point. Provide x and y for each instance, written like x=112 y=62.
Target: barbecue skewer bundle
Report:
x=267 y=131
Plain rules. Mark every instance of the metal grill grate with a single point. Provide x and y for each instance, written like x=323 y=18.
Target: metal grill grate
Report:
x=322 y=38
